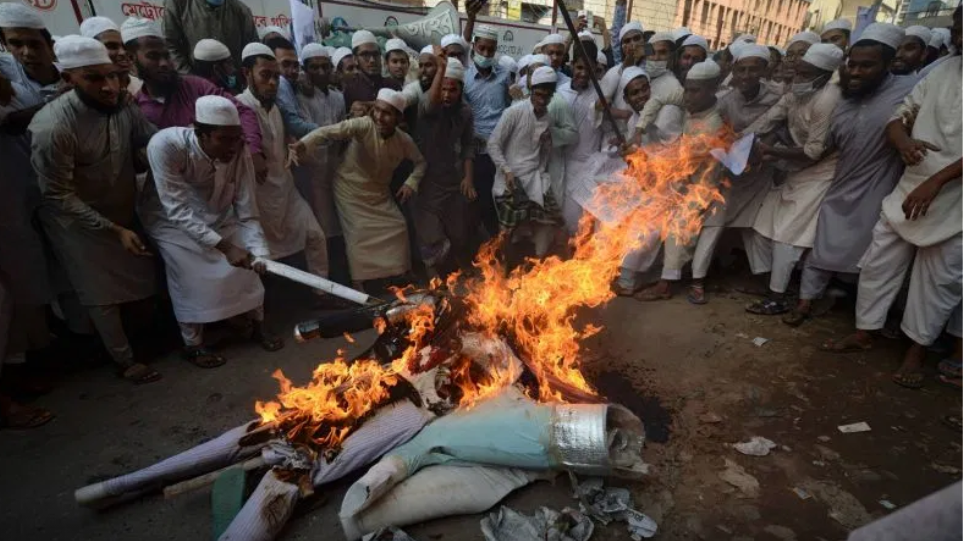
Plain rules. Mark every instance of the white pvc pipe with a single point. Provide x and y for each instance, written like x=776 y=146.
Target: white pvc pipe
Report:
x=314 y=281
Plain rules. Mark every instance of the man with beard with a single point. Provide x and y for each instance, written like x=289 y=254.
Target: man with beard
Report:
x=454 y=46
x=213 y=61
x=290 y=86
x=911 y=54
x=867 y=170
x=107 y=32
x=837 y=33
x=375 y=232
x=785 y=226
x=188 y=21
x=555 y=48
x=201 y=213
x=30 y=61
x=442 y=207
x=364 y=86
x=920 y=225
x=694 y=49
x=83 y=150
x=167 y=98
x=287 y=221
x=427 y=67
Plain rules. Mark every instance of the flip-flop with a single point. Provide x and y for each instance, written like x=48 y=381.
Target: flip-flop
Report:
x=139 y=374
x=910 y=380
x=651 y=294
x=202 y=357
x=266 y=341
x=844 y=346
x=951 y=368
x=796 y=318
x=768 y=307
x=697 y=300
x=623 y=291
x=26 y=417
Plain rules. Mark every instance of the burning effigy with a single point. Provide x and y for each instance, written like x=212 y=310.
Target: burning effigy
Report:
x=480 y=372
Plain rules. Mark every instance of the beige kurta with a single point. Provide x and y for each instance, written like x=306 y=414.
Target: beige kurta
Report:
x=791 y=210
x=375 y=233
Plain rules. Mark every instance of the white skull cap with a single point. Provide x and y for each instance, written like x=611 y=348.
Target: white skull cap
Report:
x=216 y=111
x=95 y=26
x=79 y=52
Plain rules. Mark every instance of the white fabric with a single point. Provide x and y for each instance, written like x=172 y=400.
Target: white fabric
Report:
x=524 y=62
x=395 y=44
x=885 y=33
x=752 y=50
x=453 y=39
x=632 y=26
x=429 y=49
x=78 y=52
x=586 y=35
x=934 y=291
x=17 y=15
x=273 y=30
x=288 y=223
x=315 y=178
x=601 y=59
x=824 y=56
x=340 y=54
x=777 y=258
x=508 y=63
x=516 y=143
x=393 y=98
x=362 y=37
x=629 y=74
x=578 y=157
x=544 y=75
x=705 y=248
x=937 y=101
x=551 y=39
x=661 y=36
x=838 y=24
x=95 y=26
x=541 y=59
x=211 y=50
x=921 y=32
x=314 y=50
x=256 y=49
x=455 y=70
x=698 y=41
x=745 y=38
x=135 y=27
x=806 y=36
x=704 y=71
x=216 y=111
x=681 y=32
x=936 y=39
x=485 y=31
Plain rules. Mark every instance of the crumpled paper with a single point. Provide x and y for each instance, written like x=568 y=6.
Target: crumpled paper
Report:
x=613 y=504
x=546 y=524
x=757 y=446
x=388 y=534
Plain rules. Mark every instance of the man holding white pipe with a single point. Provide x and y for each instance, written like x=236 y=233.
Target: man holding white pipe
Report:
x=201 y=212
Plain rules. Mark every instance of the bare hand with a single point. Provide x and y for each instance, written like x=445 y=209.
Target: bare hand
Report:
x=515 y=92
x=627 y=149
x=468 y=189
x=405 y=193
x=918 y=201
x=297 y=151
x=259 y=266
x=580 y=23
x=909 y=118
x=131 y=242
x=472 y=7
x=260 y=167
x=358 y=109
x=237 y=257
x=510 y=181
x=914 y=151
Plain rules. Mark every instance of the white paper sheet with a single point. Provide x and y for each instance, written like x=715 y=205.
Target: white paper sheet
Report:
x=737 y=157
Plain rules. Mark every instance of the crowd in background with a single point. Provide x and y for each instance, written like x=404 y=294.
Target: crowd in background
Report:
x=145 y=163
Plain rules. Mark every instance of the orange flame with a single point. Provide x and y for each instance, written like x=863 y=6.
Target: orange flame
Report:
x=666 y=191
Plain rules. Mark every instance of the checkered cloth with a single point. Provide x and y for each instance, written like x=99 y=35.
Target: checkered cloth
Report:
x=512 y=214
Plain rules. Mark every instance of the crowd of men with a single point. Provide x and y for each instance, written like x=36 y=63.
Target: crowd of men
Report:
x=139 y=160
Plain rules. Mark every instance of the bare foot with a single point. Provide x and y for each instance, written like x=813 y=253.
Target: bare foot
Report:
x=910 y=374
x=858 y=341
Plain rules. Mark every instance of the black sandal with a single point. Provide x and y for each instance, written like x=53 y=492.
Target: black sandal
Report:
x=768 y=307
x=266 y=341
x=139 y=374
x=202 y=357
x=796 y=318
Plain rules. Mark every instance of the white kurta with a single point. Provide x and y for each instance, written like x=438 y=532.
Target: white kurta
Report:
x=578 y=157
x=791 y=210
x=668 y=123
x=517 y=146
x=315 y=177
x=288 y=223
x=193 y=204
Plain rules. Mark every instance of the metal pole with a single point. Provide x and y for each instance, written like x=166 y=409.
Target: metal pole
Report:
x=606 y=109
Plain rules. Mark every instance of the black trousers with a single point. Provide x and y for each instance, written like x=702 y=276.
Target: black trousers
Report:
x=484 y=180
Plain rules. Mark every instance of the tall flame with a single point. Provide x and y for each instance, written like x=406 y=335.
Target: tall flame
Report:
x=666 y=192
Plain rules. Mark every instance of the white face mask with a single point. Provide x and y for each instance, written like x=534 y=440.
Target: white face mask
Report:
x=656 y=68
x=776 y=87
x=805 y=89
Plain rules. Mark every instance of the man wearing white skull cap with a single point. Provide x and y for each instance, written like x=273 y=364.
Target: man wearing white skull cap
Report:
x=345 y=66
x=920 y=224
x=201 y=212
x=785 y=226
x=270 y=32
x=188 y=21
x=940 y=44
x=363 y=87
x=107 y=32
x=701 y=120
x=837 y=33
x=911 y=53
x=455 y=46
x=396 y=60
x=375 y=232
x=288 y=223
x=520 y=147
x=31 y=59
x=796 y=48
x=867 y=170
x=213 y=61
x=427 y=66
x=89 y=208
x=443 y=209
x=694 y=49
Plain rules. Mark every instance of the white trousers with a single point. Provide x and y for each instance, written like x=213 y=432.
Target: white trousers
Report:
x=571 y=213
x=704 y=250
x=316 y=250
x=193 y=333
x=639 y=261
x=935 y=290
x=814 y=281
x=776 y=258
x=675 y=256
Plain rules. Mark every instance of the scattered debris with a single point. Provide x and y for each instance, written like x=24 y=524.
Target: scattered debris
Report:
x=756 y=446
x=803 y=495
x=843 y=506
x=861 y=426
x=506 y=524
x=612 y=504
x=710 y=417
x=823 y=439
x=780 y=532
x=944 y=468
x=887 y=504
x=742 y=335
x=819 y=463
x=786 y=448
x=759 y=341
x=735 y=475
x=826 y=453
x=767 y=412
x=388 y=534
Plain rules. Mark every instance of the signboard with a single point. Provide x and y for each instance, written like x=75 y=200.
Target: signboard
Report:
x=265 y=12
x=60 y=16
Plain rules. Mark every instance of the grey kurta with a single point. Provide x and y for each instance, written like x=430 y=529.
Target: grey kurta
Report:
x=375 y=233
x=315 y=176
x=85 y=166
x=188 y=21
x=867 y=170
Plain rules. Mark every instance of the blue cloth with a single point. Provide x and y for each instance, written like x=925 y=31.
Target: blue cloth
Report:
x=287 y=101
x=487 y=96
x=618 y=21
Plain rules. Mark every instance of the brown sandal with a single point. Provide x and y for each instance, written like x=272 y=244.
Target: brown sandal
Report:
x=202 y=357
x=140 y=374
x=18 y=417
x=652 y=294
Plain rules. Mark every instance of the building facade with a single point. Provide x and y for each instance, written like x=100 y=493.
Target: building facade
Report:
x=721 y=21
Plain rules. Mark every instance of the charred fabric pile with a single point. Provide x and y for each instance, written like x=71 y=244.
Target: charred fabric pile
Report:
x=463 y=397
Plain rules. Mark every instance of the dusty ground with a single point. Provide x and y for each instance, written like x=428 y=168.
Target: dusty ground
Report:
x=699 y=363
